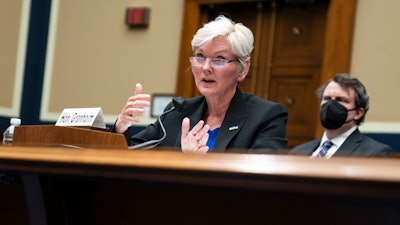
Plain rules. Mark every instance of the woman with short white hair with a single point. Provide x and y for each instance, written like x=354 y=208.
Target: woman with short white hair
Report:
x=223 y=118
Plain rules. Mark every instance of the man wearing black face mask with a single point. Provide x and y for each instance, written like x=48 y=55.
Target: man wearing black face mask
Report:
x=344 y=103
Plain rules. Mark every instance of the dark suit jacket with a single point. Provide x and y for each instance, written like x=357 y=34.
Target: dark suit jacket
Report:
x=357 y=144
x=250 y=124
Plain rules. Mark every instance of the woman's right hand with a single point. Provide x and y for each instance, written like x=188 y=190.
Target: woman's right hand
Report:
x=133 y=107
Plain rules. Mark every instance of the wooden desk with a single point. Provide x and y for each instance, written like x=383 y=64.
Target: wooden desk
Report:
x=100 y=186
x=71 y=137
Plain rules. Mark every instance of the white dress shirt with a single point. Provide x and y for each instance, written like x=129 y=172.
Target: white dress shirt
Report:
x=336 y=143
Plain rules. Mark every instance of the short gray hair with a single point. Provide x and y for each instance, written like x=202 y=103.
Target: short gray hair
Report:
x=239 y=37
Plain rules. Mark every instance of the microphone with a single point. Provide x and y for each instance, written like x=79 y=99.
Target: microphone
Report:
x=179 y=104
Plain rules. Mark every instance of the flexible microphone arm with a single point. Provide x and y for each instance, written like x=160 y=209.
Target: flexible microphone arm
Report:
x=179 y=105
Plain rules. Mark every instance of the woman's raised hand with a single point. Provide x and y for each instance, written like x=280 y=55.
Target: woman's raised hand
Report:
x=133 y=107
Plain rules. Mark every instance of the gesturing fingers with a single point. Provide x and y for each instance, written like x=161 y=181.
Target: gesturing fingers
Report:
x=196 y=139
x=134 y=106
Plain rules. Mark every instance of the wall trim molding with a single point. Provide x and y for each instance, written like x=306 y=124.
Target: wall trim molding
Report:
x=380 y=127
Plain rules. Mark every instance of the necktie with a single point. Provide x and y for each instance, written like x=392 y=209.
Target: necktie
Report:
x=325 y=148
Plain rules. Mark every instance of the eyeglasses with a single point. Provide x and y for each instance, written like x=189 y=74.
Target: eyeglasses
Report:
x=198 y=60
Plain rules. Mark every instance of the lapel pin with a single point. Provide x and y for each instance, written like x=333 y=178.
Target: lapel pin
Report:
x=233 y=127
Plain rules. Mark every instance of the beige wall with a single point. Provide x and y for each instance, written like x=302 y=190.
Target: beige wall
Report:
x=375 y=61
x=93 y=59
x=8 y=47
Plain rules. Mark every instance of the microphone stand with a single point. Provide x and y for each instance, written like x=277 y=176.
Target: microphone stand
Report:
x=179 y=104
x=153 y=143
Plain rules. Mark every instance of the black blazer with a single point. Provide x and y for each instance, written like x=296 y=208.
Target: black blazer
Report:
x=250 y=124
x=357 y=144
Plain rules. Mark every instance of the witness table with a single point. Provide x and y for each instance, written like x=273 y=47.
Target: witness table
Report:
x=56 y=185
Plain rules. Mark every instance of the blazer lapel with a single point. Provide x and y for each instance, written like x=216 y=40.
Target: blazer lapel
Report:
x=232 y=123
x=310 y=147
x=194 y=116
x=350 y=145
x=198 y=114
x=227 y=131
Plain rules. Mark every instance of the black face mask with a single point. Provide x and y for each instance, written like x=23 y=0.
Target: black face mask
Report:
x=333 y=115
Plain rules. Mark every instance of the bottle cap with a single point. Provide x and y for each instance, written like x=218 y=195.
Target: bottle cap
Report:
x=15 y=121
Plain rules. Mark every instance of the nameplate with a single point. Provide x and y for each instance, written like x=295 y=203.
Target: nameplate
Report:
x=82 y=117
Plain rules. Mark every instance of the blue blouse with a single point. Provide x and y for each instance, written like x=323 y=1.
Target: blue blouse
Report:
x=211 y=139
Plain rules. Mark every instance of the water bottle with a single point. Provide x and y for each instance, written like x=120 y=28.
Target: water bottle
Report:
x=9 y=132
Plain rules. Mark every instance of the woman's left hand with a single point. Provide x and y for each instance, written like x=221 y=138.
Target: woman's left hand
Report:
x=196 y=139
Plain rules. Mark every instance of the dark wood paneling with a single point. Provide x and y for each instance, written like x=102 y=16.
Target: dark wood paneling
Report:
x=294 y=87
x=300 y=34
x=296 y=66
x=13 y=207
